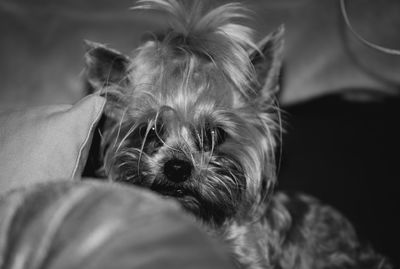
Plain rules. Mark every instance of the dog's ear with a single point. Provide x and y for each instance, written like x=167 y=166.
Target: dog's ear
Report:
x=104 y=66
x=267 y=62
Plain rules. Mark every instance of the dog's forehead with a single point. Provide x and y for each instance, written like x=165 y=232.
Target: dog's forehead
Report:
x=186 y=84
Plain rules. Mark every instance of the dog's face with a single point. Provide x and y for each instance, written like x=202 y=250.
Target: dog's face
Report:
x=180 y=124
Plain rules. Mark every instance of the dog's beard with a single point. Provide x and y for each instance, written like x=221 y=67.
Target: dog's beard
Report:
x=213 y=194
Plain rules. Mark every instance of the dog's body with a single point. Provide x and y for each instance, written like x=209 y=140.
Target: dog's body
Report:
x=191 y=115
x=297 y=231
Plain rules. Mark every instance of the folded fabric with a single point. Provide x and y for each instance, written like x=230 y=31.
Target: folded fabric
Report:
x=100 y=225
x=46 y=143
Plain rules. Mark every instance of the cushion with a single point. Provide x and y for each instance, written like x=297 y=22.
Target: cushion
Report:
x=46 y=142
x=100 y=225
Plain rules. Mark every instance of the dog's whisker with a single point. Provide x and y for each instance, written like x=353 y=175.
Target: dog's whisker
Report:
x=119 y=130
x=213 y=178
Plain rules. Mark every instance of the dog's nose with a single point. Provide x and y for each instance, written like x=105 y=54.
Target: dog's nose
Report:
x=177 y=170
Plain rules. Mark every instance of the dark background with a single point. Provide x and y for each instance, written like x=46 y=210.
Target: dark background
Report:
x=340 y=98
x=347 y=154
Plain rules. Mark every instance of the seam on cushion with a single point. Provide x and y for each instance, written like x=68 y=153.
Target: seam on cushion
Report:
x=12 y=210
x=89 y=133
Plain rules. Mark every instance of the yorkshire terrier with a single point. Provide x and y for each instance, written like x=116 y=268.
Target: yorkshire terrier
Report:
x=191 y=114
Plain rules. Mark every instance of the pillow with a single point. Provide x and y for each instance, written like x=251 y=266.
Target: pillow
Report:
x=46 y=143
x=101 y=225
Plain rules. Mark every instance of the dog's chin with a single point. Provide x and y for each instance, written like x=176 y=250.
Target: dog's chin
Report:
x=213 y=213
x=184 y=197
x=210 y=205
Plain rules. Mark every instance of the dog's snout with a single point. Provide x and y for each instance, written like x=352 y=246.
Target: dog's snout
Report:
x=177 y=170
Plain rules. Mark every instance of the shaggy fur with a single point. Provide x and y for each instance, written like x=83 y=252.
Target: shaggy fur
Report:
x=191 y=115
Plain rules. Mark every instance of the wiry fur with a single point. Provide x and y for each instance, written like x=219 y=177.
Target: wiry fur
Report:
x=201 y=94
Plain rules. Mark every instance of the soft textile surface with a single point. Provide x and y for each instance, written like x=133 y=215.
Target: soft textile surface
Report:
x=100 y=225
x=48 y=142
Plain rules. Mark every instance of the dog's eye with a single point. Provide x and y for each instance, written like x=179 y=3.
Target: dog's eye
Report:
x=213 y=137
x=143 y=131
x=151 y=134
x=219 y=135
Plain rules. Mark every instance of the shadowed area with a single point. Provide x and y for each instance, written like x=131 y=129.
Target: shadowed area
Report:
x=346 y=154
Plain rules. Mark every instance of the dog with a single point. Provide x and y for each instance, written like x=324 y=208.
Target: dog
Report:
x=191 y=114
